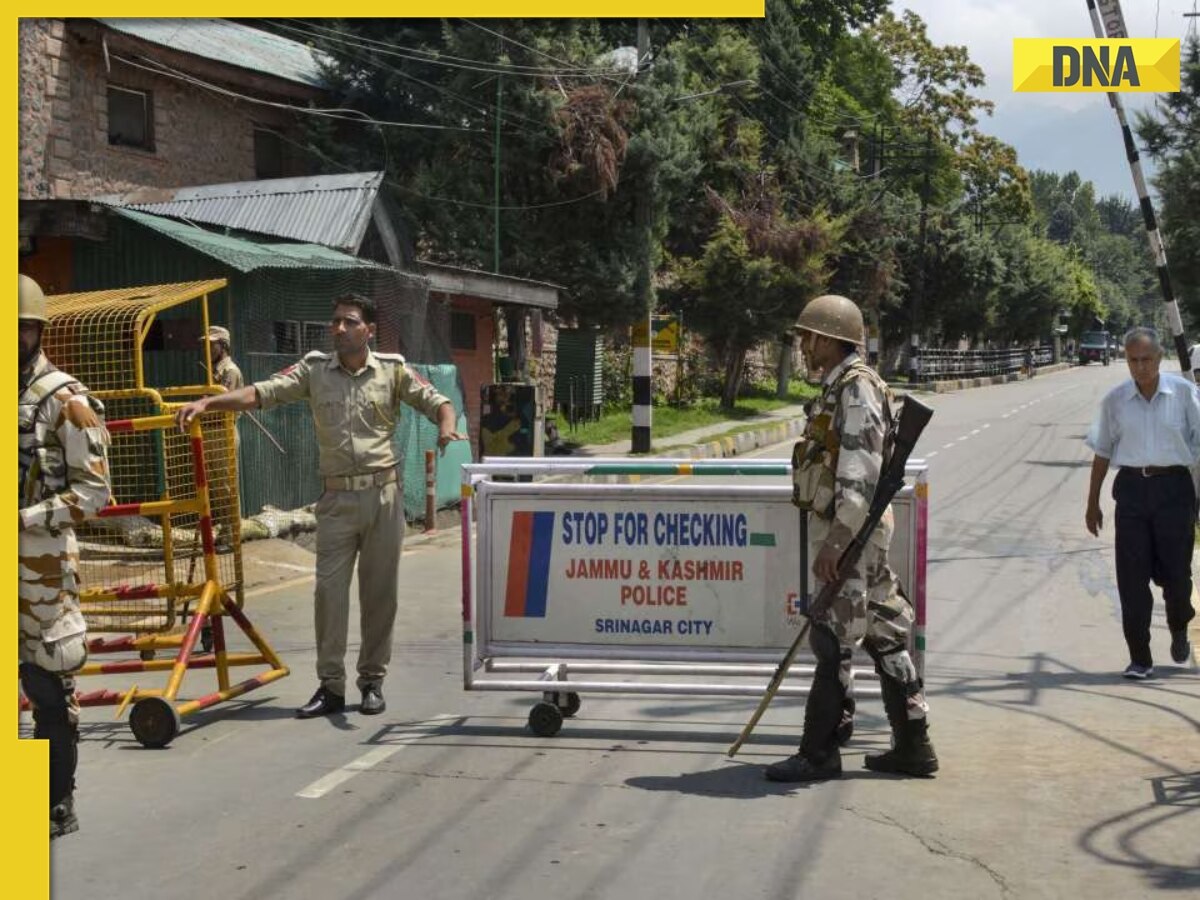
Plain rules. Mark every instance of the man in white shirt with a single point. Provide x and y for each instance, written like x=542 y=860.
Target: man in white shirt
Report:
x=1149 y=428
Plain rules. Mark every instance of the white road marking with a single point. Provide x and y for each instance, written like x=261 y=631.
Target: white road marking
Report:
x=931 y=454
x=366 y=762
x=965 y=437
x=986 y=425
x=976 y=431
x=948 y=446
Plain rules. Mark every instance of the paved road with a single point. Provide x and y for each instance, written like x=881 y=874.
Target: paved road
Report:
x=1059 y=779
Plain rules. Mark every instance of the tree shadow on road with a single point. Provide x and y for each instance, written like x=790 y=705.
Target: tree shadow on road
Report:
x=1129 y=840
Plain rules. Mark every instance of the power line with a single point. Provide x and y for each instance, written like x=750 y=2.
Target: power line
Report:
x=476 y=106
x=322 y=30
x=599 y=72
x=341 y=114
x=438 y=60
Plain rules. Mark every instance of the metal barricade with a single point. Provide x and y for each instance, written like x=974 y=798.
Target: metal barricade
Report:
x=935 y=364
x=162 y=565
x=565 y=580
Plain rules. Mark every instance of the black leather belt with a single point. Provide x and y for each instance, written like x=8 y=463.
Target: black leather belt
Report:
x=1152 y=471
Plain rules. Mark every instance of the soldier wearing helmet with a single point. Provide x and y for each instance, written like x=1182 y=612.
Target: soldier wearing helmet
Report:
x=837 y=465
x=63 y=470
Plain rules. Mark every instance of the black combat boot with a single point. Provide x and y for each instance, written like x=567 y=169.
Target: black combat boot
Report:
x=912 y=753
x=818 y=758
x=799 y=767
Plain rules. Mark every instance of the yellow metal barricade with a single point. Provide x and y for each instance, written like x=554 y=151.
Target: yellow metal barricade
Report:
x=162 y=566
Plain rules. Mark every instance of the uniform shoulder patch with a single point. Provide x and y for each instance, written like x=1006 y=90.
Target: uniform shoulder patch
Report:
x=418 y=377
x=391 y=357
x=315 y=356
x=79 y=412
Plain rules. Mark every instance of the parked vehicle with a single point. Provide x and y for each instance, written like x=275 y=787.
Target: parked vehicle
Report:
x=1094 y=347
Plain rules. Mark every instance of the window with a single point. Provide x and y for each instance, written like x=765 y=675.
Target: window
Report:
x=299 y=338
x=268 y=154
x=462 y=331
x=130 y=118
x=287 y=337
x=316 y=336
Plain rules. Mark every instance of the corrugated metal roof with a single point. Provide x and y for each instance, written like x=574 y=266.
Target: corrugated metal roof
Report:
x=500 y=288
x=248 y=256
x=230 y=43
x=334 y=210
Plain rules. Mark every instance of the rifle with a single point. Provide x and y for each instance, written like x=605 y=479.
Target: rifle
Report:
x=914 y=416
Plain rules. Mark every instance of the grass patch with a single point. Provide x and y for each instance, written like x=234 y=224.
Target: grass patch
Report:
x=616 y=425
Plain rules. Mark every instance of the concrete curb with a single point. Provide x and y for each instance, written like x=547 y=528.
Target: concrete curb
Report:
x=737 y=444
x=960 y=384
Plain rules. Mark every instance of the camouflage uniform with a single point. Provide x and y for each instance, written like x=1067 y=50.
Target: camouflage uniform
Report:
x=841 y=456
x=63 y=480
x=360 y=515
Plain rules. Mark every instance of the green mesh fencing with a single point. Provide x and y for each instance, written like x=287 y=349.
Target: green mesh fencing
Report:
x=277 y=308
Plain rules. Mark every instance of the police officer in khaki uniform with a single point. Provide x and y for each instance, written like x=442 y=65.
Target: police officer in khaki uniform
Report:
x=838 y=464
x=227 y=374
x=61 y=446
x=355 y=396
x=225 y=371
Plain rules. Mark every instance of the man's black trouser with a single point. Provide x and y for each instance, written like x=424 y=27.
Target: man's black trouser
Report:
x=1155 y=531
x=52 y=720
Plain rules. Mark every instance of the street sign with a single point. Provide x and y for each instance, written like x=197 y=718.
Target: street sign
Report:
x=666 y=334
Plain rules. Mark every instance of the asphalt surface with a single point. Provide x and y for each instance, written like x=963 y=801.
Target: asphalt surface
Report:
x=1058 y=779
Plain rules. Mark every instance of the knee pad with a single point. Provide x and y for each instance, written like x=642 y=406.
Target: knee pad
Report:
x=896 y=665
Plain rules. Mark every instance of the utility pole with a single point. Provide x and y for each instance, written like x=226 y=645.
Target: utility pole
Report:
x=918 y=294
x=496 y=182
x=1108 y=21
x=642 y=371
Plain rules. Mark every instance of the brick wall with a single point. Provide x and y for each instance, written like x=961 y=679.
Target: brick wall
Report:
x=199 y=136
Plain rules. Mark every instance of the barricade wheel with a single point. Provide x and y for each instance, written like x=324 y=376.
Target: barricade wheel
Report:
x=545 y=719
x=206 y=639
x=147 y=654
x=154 y=722
x=570 y=704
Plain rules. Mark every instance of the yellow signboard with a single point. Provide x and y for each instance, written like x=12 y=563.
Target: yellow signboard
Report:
x=666 y=336
x=1065 y=65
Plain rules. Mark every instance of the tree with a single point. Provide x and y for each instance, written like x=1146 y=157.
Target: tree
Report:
x=756 y=273
x=1172 y=136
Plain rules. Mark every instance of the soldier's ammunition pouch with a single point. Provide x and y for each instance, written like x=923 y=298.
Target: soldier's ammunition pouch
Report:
x=814 y=464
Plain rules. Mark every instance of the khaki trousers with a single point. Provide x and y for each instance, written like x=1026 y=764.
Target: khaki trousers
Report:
x=367 y=526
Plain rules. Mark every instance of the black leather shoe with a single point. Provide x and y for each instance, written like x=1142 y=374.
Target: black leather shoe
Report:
x=372 y=702
x=323 y=703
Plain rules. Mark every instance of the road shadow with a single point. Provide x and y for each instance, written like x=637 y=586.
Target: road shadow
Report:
x=737 y=780
x=1133 y=840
